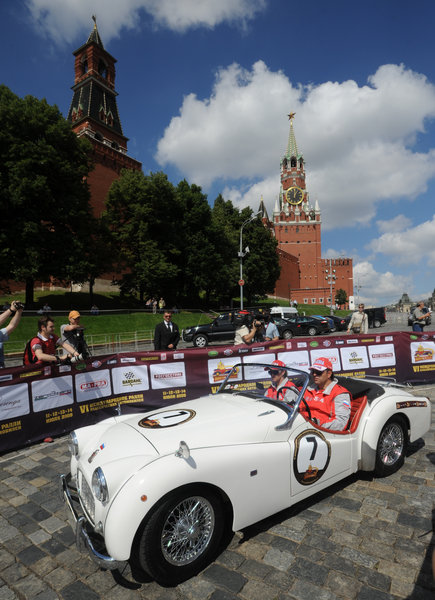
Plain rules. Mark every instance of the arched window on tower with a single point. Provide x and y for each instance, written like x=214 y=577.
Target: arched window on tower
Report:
x=102 y=69
x=293 y=162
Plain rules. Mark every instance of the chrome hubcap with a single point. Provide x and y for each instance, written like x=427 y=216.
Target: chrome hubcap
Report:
x=391 y=446
x=187 y=530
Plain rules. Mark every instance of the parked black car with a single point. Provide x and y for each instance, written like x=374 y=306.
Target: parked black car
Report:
x=377 y=316
x=219 y=330
x=341 y=323
x=307 y=325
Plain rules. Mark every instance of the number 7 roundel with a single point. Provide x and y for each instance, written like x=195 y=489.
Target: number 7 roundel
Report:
x=311 y=457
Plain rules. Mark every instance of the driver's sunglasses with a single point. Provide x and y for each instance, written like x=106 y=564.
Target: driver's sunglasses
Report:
x=273 y=372
x=314 y=372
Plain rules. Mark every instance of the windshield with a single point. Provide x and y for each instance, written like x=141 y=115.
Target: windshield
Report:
x=269 y=382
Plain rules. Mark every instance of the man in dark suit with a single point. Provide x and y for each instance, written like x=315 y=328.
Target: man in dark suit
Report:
x=166 y=333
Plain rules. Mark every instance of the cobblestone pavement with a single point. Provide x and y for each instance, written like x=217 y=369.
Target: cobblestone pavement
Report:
x=364 y=539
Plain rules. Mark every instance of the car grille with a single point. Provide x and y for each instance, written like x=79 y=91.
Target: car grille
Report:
x=86 y=497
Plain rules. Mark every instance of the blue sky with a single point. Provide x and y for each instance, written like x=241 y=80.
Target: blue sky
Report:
x=204 y=92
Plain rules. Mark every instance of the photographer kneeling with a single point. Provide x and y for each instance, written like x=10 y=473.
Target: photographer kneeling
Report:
x=247 y=328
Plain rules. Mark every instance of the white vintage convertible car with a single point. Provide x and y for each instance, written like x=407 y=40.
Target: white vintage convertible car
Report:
x=162 y=488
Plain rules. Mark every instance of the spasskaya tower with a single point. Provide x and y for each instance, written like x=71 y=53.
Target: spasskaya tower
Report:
x=296 y=225
x=94 y=113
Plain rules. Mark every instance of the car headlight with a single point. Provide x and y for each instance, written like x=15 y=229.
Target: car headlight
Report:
x=188 y=330
x=73 y=444
x=99 y=485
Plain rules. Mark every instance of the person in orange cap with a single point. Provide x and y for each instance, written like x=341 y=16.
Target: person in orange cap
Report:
x=328 y=401
x=281 y=388
x=72 y=332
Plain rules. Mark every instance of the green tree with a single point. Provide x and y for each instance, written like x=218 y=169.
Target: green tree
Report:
x=44 y=200
x=340 y=297
x=144 y=217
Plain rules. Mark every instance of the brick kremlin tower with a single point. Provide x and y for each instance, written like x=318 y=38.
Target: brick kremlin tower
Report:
x=296 y=224
x=94 y=113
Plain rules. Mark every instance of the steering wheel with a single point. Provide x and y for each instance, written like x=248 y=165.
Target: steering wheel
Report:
x=307 y=407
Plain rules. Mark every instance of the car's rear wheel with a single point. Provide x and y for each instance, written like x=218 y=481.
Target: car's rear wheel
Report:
x=181 y=536
x=312 y=331
x=287 y=334
x=376 y=323
x=200 y=340
x=391 y=448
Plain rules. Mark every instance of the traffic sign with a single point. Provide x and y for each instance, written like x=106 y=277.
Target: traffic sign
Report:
x=241 y=282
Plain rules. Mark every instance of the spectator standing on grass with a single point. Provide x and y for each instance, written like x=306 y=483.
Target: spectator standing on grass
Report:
x=162 y=305
x=154 y=306
x=95 y=310
x=15 y=311
x=166 y=333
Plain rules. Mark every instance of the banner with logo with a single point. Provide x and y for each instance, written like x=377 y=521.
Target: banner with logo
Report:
x=41 y=401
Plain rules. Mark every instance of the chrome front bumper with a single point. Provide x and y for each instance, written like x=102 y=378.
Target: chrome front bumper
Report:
x=83 y=540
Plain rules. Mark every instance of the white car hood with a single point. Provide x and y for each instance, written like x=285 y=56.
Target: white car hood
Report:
x=215 y=420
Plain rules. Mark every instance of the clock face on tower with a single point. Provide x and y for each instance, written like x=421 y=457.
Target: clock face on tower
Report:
x=294 y=195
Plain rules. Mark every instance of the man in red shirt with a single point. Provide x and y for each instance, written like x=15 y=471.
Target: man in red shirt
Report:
x=329 y=402
x=44 y=345
x=281 y=388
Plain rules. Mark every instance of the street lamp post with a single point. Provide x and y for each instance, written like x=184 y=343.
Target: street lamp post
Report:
x=330 y=278
x=241 y=254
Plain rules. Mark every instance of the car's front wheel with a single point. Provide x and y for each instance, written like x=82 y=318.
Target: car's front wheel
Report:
x=391 y=448
x=181 y=536
x=312 y=331
x=287 y=334
x=200 y=340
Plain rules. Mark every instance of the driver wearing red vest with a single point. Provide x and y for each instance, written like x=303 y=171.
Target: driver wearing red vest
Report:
x=328 y=401
x=281 y=388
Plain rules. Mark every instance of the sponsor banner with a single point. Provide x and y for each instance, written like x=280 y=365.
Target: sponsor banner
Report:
x=52 y=393
x=39 y=401
x=93 y=384
x=382 y=355
x=354 y=358
x=14 y=401
x=168 y=375
x=131 y=378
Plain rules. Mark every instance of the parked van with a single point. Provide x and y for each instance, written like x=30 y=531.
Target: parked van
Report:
x=285 y=312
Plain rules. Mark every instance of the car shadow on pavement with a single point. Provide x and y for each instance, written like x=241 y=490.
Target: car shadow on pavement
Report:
x=425 y=583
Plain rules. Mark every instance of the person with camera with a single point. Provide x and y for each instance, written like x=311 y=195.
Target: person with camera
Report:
x=247 y=328
x=72 y=332
x=42 y=348
x=15 y=311
x=420 y=316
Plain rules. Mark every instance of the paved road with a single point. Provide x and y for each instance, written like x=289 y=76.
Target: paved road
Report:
x=364 y=539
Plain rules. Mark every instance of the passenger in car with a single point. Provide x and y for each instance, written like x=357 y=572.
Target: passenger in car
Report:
x=329 y=402
x=281 y=388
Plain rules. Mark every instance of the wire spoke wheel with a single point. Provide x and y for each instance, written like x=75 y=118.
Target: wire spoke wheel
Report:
x=187 y=530
x=391 y=444
x=391 y=448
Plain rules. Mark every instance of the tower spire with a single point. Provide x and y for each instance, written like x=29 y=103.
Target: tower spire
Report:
x=292 y=147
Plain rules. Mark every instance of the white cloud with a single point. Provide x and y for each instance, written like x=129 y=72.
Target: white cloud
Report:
x=63 y=20
x=410 y=246
x=376 y=288
x=396 y=225
x=357 y=141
